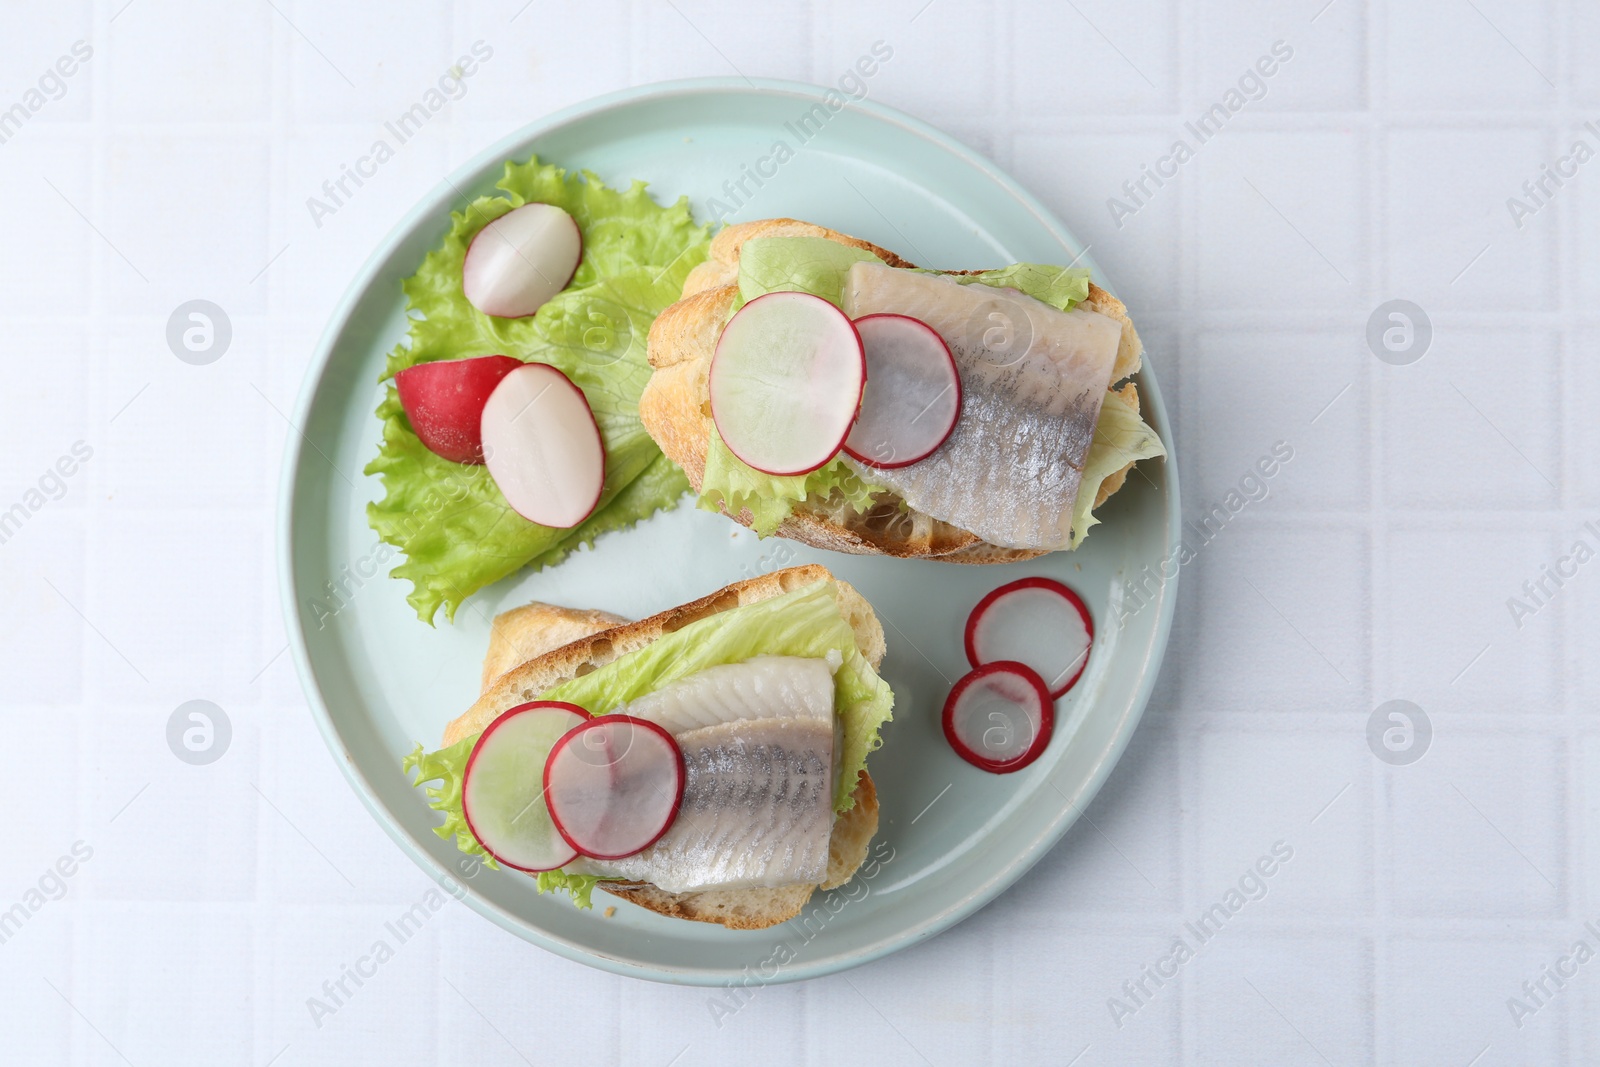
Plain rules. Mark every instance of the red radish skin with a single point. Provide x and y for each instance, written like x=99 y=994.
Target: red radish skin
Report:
x=549 y=461
x=996 y=601
x=785 y=406
x=882 y=436
x=1025 y=685
x=517 y=262
x=443 y=401
x=562 y=853
x=571 y=760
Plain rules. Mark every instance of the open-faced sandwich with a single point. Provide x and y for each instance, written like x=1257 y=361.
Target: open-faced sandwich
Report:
x=815 y=385
x=707 y=763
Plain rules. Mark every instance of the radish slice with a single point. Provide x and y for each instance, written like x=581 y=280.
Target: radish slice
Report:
x=913 y=396
x=786 y=382
x=443 y=401
x=999 y=717
x=543 y=447
x=613 y=785
x=502 y=794
x=520 y=260
x=1037 y=621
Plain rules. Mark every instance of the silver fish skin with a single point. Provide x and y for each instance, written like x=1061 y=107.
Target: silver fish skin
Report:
x=1032 y=379
x=760 y=687
x=757 y=810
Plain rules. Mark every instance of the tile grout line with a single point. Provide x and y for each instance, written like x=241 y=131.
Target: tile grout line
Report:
x=98 y=331
x=274 y=301
x=99 y=335
x=1574 y=841
x=1147 y=120
x=1566 y=259
x=99 y=348
x=1379 y=841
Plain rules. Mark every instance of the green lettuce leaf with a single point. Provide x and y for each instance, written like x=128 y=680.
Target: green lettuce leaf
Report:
x=662 y=480
x=1060 y=287
x=447 y=766
x=580 y=887
x=730 y=485
x=805 y=622
x=812 y=265
x=1120 y=437
x=818 y=266
x=454 y=527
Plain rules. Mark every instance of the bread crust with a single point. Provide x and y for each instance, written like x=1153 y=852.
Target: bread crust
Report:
x=676 y=407
x=548 y=670
x=563 y=643
x=524 y=633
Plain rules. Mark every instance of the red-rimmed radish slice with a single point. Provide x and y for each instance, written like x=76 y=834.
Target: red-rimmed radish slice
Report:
x=913 y=393
x=520 y=260
x=502 y=789
x=542 y=446
x=1037 y=621
x=444 y=401
x=999 y=717
x=786 y=382
x=613 y=785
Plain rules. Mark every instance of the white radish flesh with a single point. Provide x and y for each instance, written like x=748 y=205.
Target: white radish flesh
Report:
x=520 y=260
x=999 y=717
x=614 y=785
x=913 y=393
x=786 y=382
x=543 y=448
x=502 y=788
x=1036 y=621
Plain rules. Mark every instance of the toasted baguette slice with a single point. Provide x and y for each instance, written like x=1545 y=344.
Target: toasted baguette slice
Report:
x=530 y=631
x=676 y=407
x=562 y=643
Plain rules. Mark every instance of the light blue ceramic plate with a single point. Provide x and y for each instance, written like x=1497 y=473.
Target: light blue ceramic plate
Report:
x=952 y=837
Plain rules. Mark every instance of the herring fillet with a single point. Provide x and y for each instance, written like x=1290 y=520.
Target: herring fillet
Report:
x=758 y=741
x=757 y=810
x=761 y=687
x=1032 y=380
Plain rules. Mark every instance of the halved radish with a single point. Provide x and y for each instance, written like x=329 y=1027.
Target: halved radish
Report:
x=520 y=260
x=444 y=402
x=502 y=788
x=1037 y=621
x=913 y=393
x=999 y=717
x=543 y=447
x=786 y=382
x=613 y=785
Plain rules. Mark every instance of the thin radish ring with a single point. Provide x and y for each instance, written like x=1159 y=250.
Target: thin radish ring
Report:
x=1041 y=738
x=1050 y=585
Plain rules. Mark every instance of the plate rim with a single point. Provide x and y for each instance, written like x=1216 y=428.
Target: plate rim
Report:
x=980 y=893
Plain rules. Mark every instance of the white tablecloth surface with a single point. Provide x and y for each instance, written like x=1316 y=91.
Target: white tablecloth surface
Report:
x=206 y=905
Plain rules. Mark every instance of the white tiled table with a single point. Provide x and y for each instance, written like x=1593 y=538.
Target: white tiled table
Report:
x=176 y=164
